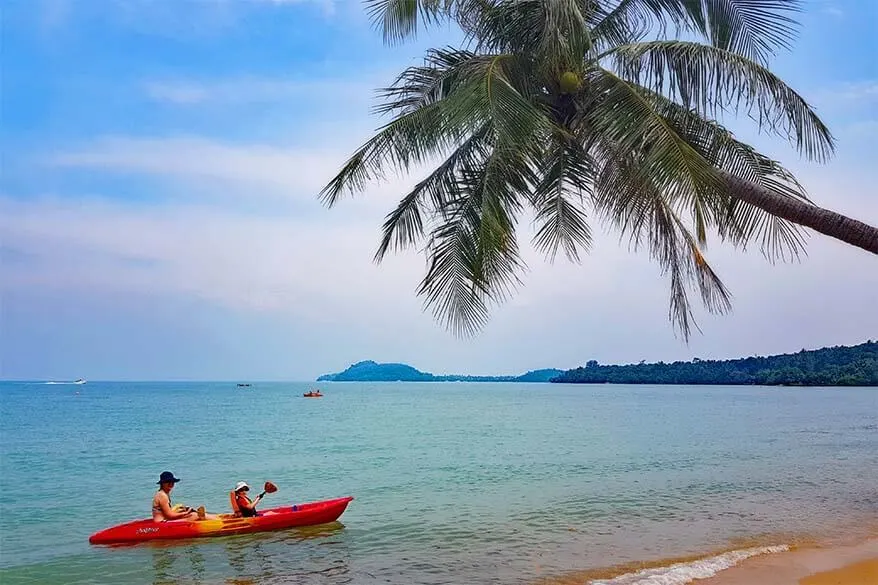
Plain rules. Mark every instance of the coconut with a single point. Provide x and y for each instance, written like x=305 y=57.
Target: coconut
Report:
x=570 y=82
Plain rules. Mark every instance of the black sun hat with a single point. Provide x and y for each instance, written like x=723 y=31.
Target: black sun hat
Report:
x=167 y=477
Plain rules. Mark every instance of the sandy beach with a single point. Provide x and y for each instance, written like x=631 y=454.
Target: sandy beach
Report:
x=852 y=561
x=848 y=564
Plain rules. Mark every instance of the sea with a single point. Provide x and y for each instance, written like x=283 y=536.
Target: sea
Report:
x=452 y=482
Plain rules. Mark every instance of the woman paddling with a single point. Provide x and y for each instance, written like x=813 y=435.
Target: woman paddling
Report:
x=162 y=511
x=241 y=504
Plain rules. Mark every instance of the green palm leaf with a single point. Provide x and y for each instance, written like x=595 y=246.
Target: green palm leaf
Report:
x=474 y=258
x=404 y=226
x=559 y=201
x=714 y=80
x=755 y=29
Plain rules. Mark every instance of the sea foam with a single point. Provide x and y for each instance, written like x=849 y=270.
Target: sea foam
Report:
x=682 y=573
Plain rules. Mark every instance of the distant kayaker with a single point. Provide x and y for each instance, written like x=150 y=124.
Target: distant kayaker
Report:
x=241 y=503
x=162 y=510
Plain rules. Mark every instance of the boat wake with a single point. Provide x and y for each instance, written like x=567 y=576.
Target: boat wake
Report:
x=682 y=573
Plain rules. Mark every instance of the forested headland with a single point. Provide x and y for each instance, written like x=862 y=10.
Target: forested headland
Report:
x=830 y=366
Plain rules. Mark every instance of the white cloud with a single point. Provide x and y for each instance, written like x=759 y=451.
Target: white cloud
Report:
x=244 y=90
x=831 y=8
x=862 y=90
x=262 y=176
x=265 y=263
x=54 y=14
x=847 y=94
x=180 y=19
x=181 y=94
x=252 y=169
x=328 y=5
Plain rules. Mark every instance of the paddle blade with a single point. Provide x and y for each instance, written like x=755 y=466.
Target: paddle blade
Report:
x=270 y=488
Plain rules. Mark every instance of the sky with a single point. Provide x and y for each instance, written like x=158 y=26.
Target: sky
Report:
x=159 y=217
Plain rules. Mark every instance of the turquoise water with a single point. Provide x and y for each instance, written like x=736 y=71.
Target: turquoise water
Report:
x=454 y=483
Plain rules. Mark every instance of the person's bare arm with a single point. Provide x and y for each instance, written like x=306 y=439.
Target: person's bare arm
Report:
x=168 y=512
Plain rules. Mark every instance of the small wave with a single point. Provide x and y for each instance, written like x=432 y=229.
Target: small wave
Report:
x=682 y=573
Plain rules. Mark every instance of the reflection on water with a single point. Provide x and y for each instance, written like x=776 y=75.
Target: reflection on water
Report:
x=317 y=556
x=162 y=563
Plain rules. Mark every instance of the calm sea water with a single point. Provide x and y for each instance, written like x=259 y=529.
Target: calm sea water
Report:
x=454 y=483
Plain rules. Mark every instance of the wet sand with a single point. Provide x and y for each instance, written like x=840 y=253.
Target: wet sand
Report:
x=851 y=559
x=847 y=564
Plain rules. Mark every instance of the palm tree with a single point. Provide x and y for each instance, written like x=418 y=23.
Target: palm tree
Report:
x=581 y=109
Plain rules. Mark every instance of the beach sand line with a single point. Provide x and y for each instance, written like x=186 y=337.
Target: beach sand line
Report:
x=862 y=573
x=763 y=560
x=765 y=545
x=850 y=564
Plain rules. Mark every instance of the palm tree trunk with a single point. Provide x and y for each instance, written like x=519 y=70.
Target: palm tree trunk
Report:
x=826 y=222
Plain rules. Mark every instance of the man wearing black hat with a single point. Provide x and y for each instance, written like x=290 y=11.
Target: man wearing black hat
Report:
x=162 y=510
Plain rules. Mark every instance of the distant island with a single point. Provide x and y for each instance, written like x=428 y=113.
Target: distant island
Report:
x=369 y=371
x=830 y=366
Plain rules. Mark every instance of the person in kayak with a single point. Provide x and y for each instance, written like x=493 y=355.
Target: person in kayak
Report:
x=162 y=511
x=241 y=504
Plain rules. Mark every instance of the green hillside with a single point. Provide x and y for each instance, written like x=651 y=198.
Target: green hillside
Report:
x=370 y=371
x=830 y=366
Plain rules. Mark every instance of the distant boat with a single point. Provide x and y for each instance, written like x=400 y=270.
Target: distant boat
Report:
x=243 y=385
x=313 y=394
x=80 y=381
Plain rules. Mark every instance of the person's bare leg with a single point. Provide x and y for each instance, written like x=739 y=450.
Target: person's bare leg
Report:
x=200 y=514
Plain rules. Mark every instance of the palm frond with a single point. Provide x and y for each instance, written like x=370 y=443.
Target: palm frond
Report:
x=643 y=214
x=435 y=120
x=752 y=28
x=566 y=36
x=404 y=226
x=555 y=33
x=399 y=19
x=755 y=29
x=486 y=94
x=629 y=20
x=409 y=139
x=625 y=120
x=567 y=176
x=419 y=86
x=737 y=221
x=473 y=255
x=714 y=80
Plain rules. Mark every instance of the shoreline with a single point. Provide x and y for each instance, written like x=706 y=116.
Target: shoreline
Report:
x=768 y=560
x=853 y=563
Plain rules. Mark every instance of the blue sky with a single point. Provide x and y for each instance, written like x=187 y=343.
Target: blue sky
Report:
x=159 y=220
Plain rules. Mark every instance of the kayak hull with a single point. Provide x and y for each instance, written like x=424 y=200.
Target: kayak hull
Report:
x=309 y=514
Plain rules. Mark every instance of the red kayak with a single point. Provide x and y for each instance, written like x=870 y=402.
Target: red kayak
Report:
x=274 y=519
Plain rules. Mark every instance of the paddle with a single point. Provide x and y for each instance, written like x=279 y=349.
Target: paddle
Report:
x=268 y=488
